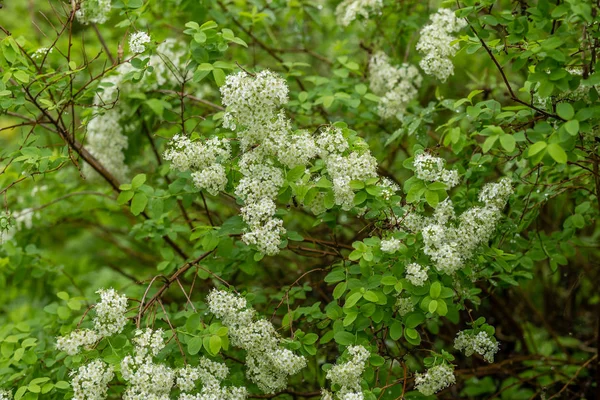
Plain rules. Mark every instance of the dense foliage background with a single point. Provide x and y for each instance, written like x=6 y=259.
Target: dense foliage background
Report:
x=91 y=197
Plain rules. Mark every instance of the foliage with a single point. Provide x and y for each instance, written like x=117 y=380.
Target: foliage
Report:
x=358 y=199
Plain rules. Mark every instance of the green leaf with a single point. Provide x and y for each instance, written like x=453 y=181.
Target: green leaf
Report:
x=508 y=142
x=432 y=198
x=435 y=290
x=219 y=76
x=344 y=338
x=572 y=127
x=194 y=345
x=138 y=181
x=125 y=196
x=536 y=148
x=565 y=111
x=371 y=296
x=138 y=204
x=215 y=344
x=353 y=299
x=489 y=143
x=433 y=306
x=557 y=153
x=396 y=330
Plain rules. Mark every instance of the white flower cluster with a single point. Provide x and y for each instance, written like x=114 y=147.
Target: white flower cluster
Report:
x=204 y=158
x=388 y=188
x=435 y=379
x=396 y=86
x=145 y=379
x=348 y=10
x=496 y=194
x=6 y=226
x=138 y=41
x=348 y=375
x=110 y=319
x=106 y=139
x=90 y=381
x=480 y=343
x=72 y=343
x=41 y=53
x=210 y=374
x=404 y=306
x=93 y=11
x=269 y=364
x=5 y=395
x=431 y=169
x=416 y=274
x=346 y=168
x=265 y=134
x=450 y=240
x=390 y=245
x=436 y=43
x=269 y=144
x=110 y=312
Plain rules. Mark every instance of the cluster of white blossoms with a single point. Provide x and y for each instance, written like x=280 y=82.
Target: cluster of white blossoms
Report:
x=348 y=375
x=6 y=225
x=138 y=41
x=396 y=86
x=416 y=274
x=388 y=188
x=145 y=379
x=432 y=169
x=436 y=43
x=204 y=158
x=110 y=312
x=450 y=240
x=93 y=11
x=481 y=343
x=73 y=342
x=348 y=10
x=269 y=364
x=110 y=320
x=106 y=136
x=390 y=245
x=404 y=305
x=435 y=379
x=269 y=145
x=5 y=395
x=41 y=53
x=210 y=374
x=90 y=381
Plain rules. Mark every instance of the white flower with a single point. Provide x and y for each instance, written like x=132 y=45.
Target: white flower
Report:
x=480 y=343
x=210 y=374
x=138 y=41
x=5 y=395
x=93 y=11
x=90 y=381
x=41 y=53
x=348 y=10
x=145 y=379
x=110 y=312
x=435 y=44
x=496 y=194
x=435 y=379
x=397 y=86
x=404 y=306
x=348 y=375
x=269 y=364
x=72 y=343
x=390 y=245
x=431 y=169
x=416 y=274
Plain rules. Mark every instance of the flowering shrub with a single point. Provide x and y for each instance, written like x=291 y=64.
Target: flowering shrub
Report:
x=335 y=200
